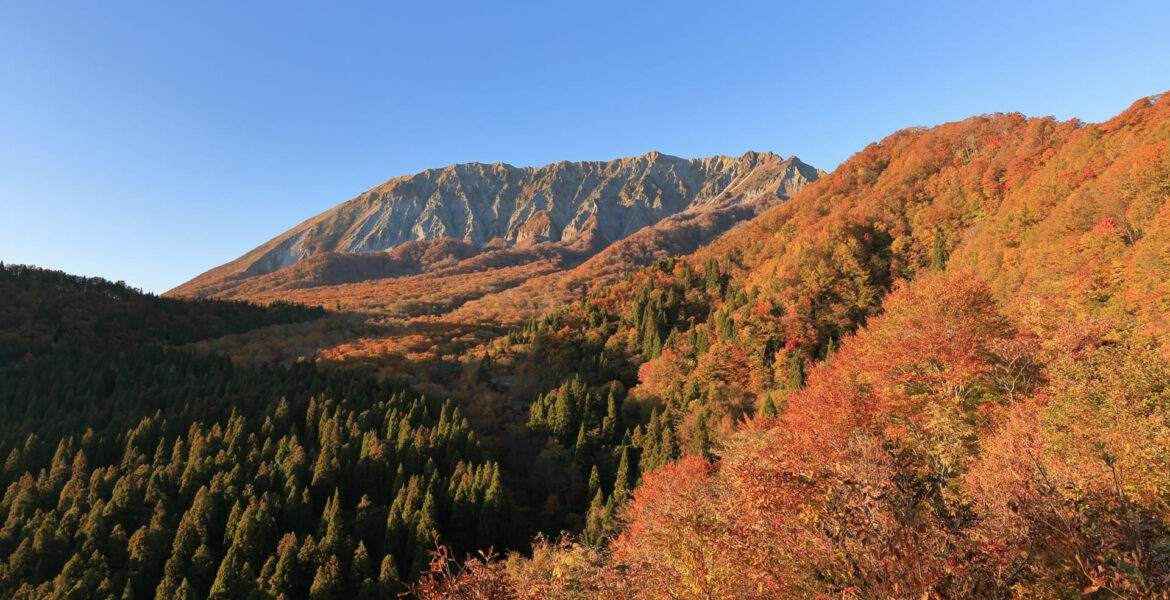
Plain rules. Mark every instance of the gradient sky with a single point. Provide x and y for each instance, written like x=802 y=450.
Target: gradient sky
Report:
x=150 y=141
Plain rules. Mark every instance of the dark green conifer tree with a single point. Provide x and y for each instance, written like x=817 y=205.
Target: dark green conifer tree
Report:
x=700 y=435
x=594 y=520
x=938 y=254
x=362 y=584
x=388 y=580
x=769 y=407
x=328 y=582
x=286 y=578
x=796 y=371
x=562 y=420
x=331 y=527
x=713 y=278
x=493 y=512
x=581 y=449
x=182 y=592
x=611 y=424
x=624 y=480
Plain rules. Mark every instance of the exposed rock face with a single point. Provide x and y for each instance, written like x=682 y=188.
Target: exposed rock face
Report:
x=590 y=203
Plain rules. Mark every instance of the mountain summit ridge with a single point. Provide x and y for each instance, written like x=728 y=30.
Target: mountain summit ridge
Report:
x=588 y=204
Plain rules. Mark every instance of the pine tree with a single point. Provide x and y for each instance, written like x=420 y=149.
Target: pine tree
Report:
x=203 y=568
x=667 y=446
x=361 y=575
x=367 y=519
x=286 y=577
x=538 y=413
x=611 y=424
x=426 y=527
x=464 y=515
x=702 y=341
x=561 y=420
x=254 y=527
x=725 y=325
x=796 y=371
x=769 y=408
x=594 y=520
x=671 y=339
x=492 y=513
x=594 y=482
x=394 y=540
x=388 y=580
x=624 y=480
x=332 y=526
x=483 y=371
x=234 y=579
x=60 y=466
x=183 y=592
x=700 y=435
x=713 y=279
x=654 y=350
x=650 y=441
x=938 y=254
x=581 y=448
x=328 y=582
x=325 y=470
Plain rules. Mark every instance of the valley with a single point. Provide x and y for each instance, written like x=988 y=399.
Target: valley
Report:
x=939 y=371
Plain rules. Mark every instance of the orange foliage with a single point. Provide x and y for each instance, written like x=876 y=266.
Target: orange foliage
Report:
x=669 y=547
x=994 y=421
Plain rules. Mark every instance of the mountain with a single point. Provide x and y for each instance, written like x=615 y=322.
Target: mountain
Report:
x=955 y=348
x=941 y=371
x=440 y=219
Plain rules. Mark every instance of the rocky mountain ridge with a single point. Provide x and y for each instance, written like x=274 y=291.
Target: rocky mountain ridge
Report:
x=581 y=207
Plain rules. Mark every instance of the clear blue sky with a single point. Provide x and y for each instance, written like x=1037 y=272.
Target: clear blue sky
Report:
x=149 y=141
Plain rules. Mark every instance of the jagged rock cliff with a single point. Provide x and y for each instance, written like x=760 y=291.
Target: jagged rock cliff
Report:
x=584 y=205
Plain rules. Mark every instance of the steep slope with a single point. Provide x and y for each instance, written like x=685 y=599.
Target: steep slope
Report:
x=1067 y=217
x=938 y=372
x=674 y=235
x=578 y=207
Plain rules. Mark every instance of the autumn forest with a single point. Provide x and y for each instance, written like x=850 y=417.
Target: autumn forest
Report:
x=940 y=371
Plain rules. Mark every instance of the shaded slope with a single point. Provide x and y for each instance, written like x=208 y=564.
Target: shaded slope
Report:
x=44 y=311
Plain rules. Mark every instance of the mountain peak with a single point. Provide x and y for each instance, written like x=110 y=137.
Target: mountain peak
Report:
x=481 y=202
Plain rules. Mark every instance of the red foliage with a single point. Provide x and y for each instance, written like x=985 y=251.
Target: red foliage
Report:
x=478 y=578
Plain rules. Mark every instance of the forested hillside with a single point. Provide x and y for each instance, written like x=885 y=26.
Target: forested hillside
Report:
x=46 y=310
x=938 y=372
x=426 y=267
x=136 y=471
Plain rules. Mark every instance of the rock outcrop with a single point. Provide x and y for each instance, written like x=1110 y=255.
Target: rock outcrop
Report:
x=489 y=206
